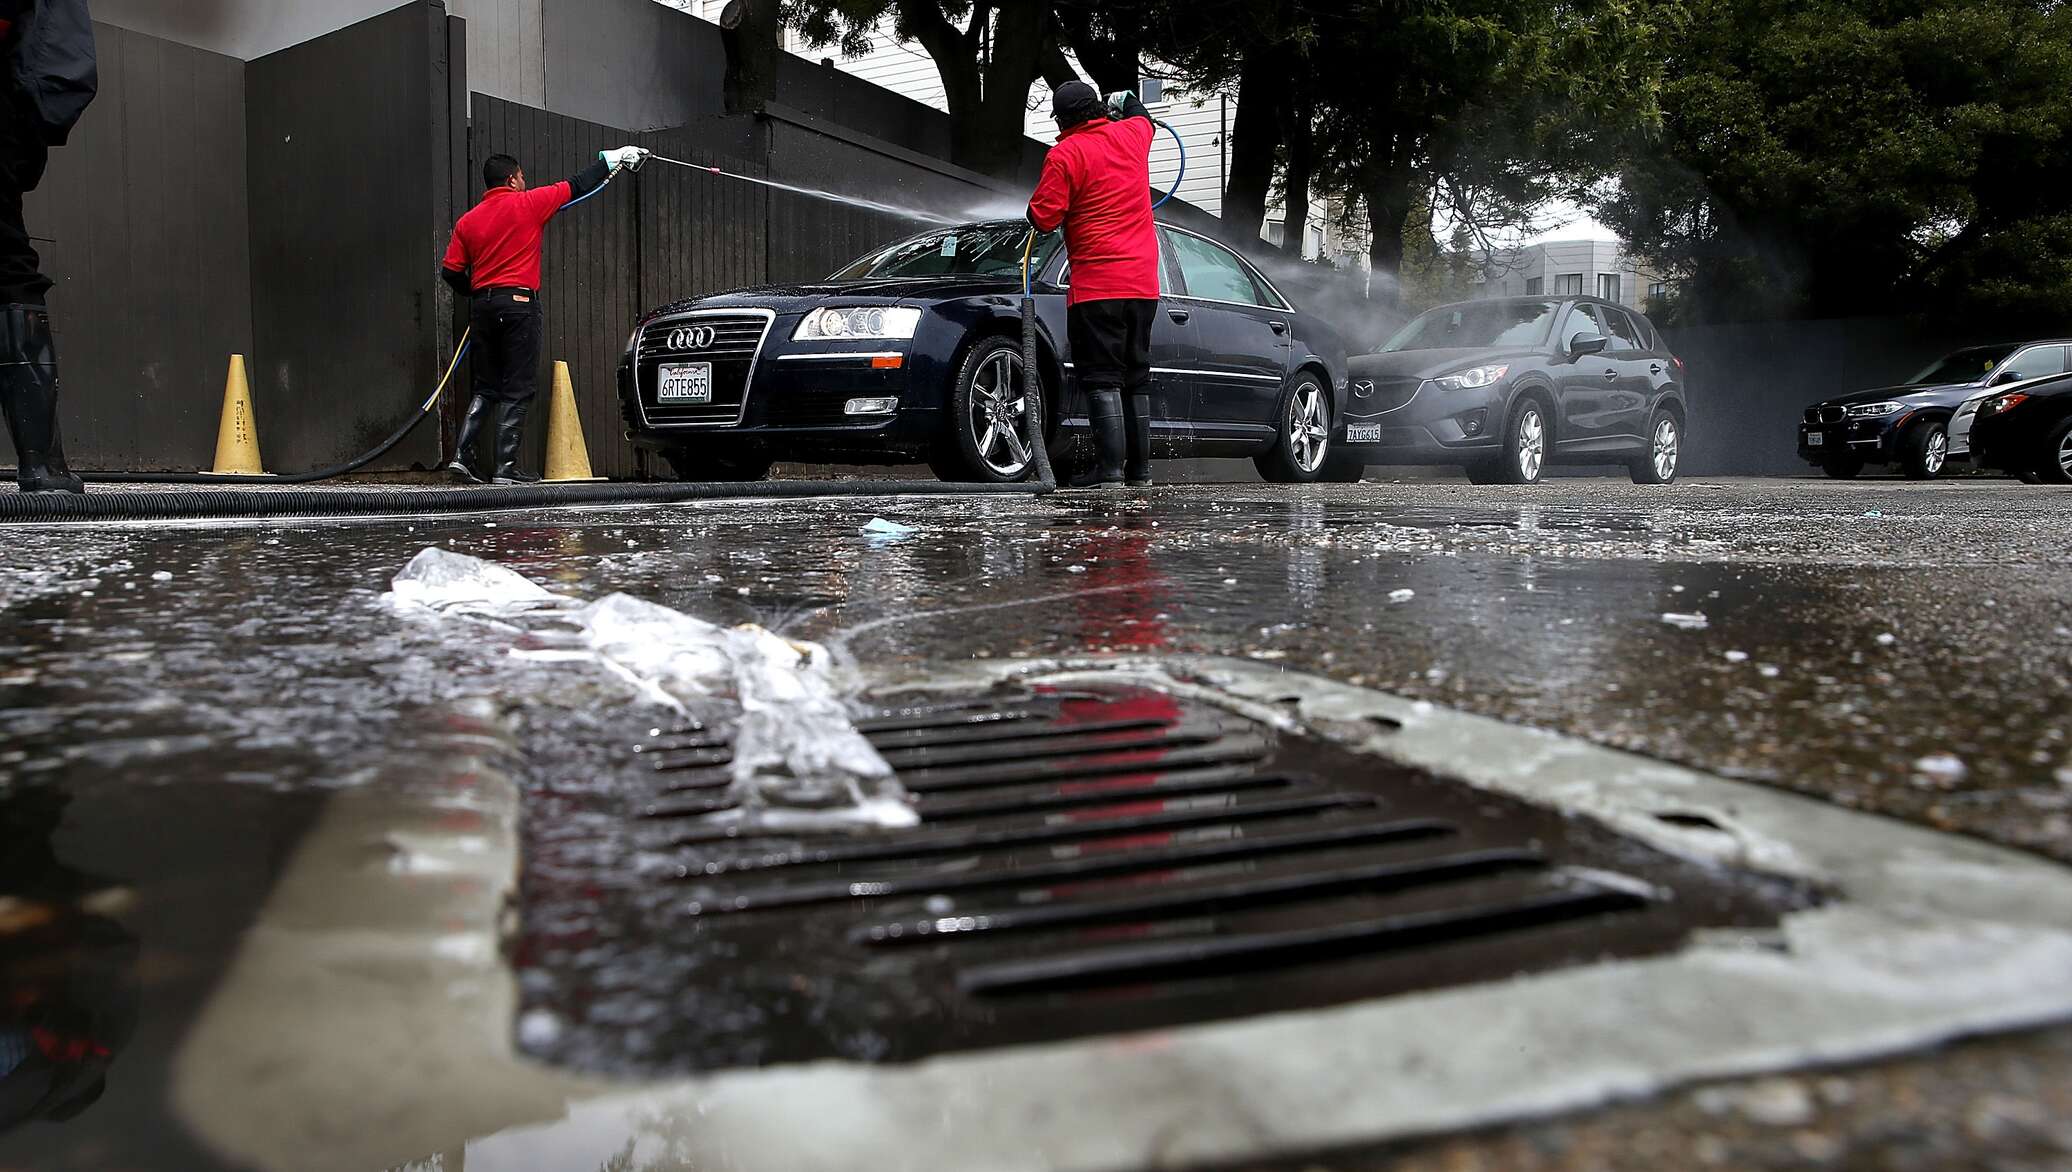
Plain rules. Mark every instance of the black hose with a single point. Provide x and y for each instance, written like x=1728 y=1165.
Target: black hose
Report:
x=1032 y=401
x=180 y=506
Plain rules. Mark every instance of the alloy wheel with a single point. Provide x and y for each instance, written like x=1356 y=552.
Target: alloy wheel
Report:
x=2065 y=455
x=1309 y=427
x=1532 y=444
x=999 y=431
x=1667 y=448
x=1938 y=452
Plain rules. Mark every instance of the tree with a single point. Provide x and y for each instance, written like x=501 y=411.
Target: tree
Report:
x=751 y=31
x=1836 y=157
x=1487 y=108
x=989 y=53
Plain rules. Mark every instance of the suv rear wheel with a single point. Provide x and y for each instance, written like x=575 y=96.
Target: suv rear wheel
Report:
x=1664 y=453
x=1924 y=450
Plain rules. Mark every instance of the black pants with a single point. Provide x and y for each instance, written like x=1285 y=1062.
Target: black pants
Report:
x=1111 y=344
x=504 y=347
x=23 y=157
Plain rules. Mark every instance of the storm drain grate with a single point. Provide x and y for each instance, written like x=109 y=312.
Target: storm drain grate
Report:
x=1087 y=862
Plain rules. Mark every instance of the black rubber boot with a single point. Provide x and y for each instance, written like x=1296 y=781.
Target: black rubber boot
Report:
x=1104 y=410
x=1137 y=412
x=29 y=398
x=510 y=436
x=471 y=424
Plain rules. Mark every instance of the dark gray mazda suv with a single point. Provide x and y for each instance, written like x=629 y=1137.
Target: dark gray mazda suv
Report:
x=1505 y=388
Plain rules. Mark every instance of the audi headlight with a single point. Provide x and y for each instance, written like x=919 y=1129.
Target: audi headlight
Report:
x=860 y=322
x=1471 y=380
x=1875 y=410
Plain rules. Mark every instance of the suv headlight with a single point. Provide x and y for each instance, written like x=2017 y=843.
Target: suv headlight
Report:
x=1874 y=410
x=1470 y=380
x=862 y=322
x=2003 y=403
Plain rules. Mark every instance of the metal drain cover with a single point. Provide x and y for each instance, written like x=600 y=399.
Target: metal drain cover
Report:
x=1090 y=860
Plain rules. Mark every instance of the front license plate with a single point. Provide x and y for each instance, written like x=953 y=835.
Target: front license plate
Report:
x=1363 y=433
x=1815 y=439
x=691 y=383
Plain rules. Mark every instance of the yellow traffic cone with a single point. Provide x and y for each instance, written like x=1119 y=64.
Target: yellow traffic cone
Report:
x=568 y=458
x=237 y=436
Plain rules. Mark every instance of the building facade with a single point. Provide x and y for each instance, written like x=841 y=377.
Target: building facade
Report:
x=1572 y=268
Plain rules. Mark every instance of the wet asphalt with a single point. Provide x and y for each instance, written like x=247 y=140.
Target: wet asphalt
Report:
x=179 y=699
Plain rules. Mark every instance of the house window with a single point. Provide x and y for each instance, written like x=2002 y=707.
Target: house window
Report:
x=1657 y=290
x=1569 y=284
x=1608 y=286
x=1153 y=92
x=1276 y=232
x=1534 y=286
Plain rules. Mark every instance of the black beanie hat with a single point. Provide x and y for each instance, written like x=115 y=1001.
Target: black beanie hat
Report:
x=1075 y=102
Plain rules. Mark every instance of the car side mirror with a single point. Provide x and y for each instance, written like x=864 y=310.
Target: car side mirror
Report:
x=2007 y=376
x=1584 y=345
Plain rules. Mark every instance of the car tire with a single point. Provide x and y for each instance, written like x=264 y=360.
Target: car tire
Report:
x=2056 y=466
x=1841 y=467
x=987 y=440
x=1526 y=436
x=705 y=464
x=1925 y=450
x=1302 y=450
x=1658 y=463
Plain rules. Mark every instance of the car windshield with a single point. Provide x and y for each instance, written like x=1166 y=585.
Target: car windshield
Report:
x=1476 y=325
x=992 y=249
x=1965 y=366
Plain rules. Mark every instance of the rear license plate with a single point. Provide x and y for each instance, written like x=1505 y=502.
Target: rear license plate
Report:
x=1363 y=433
x=691 y=383
x=1815 y=439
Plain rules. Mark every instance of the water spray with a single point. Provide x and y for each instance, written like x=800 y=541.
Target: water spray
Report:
x=814 y=193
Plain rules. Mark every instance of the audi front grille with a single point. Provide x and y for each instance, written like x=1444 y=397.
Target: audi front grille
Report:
x=731 y=340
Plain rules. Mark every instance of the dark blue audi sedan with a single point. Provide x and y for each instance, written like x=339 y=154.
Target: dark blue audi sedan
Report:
x=913 y=353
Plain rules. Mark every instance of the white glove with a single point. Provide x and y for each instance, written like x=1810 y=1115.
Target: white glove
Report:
x=629 y=157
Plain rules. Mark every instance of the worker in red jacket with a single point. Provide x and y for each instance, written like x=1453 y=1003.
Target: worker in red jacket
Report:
x=495 y=259
x=1097 y=185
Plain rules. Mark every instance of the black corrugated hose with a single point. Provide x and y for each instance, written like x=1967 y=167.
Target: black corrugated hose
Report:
x=1032 y=379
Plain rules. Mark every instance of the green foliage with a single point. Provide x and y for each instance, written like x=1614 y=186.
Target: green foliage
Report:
x=1840 y=157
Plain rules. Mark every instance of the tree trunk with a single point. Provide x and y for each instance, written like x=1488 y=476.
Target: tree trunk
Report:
x=1390 y=196
x=1300 y=134
x=1255 y=137
x=988 y=102
x=751 y=30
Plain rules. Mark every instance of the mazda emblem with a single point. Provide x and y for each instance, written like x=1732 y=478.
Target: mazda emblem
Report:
x=1363 y=388
x=693 y=337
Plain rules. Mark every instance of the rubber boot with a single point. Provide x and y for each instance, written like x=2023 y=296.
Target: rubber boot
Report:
x=29 y=398
x=463 y=466
x=510 y=436
x=1137 y=413
x=1104 y=411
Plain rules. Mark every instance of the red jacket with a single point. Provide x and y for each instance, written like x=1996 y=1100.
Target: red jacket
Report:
x=498 y=242
x=1097 y=183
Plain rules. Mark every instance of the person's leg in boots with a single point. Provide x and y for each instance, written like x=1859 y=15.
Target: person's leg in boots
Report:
x=1097 y=356
x=1136 y=387
x=486 y=380
x=521 y=328
x=28 y=350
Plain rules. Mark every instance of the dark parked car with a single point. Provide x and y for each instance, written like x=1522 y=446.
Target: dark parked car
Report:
x=913 y=353
x=2027 y=430
x=1925 y=422
x=1506 y=387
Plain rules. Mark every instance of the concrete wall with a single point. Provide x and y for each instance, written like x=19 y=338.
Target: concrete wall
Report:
x=141 y=222
x=507 y=36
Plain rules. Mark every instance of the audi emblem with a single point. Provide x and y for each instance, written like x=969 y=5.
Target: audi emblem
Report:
x=693 y=337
